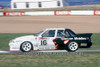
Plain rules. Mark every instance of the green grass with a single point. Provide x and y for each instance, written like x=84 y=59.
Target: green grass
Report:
x=96 y=39
x=52 y=60
x=6 y=37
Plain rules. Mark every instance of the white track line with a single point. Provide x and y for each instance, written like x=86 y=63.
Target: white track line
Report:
x=52 y=51
x=4 y=52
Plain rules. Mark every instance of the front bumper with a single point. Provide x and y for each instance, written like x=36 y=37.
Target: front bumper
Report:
x=14 y=47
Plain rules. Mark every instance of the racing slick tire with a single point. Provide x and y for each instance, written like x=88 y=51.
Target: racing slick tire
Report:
x=72 y=46
x=26 y=46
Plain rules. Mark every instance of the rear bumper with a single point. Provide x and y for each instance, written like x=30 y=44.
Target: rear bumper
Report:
x=86 y=45
x=89 y=43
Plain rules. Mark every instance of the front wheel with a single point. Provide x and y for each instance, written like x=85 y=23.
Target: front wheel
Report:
x=72 y=46
x=26 y=46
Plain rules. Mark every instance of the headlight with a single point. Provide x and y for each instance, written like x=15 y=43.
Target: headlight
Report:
x=12 y=41
x=18 y=40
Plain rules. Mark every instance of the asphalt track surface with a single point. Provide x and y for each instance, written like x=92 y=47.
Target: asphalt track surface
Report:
x=49 y=51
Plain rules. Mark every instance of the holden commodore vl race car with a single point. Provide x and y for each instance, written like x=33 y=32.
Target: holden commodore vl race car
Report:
x=50 y=39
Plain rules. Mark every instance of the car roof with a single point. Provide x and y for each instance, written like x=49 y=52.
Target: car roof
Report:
x=55 y=29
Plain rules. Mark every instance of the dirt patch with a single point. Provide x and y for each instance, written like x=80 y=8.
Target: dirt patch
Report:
x=34 y=24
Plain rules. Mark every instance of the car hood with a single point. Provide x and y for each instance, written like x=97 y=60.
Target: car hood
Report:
x=28 y=37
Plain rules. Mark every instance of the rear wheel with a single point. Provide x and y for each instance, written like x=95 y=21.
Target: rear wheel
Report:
x=26 y=46
x=72 y=46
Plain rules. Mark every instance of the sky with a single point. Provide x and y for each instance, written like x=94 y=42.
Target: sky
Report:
x=5 y=3
x=4 y=0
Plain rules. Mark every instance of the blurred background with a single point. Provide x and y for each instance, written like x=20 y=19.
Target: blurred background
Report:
x=6 y=3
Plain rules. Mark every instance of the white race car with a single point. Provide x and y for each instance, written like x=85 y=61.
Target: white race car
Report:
x=50 y=39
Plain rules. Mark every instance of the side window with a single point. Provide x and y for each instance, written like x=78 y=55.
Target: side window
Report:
x=66 y=33
x=62 y=33
x=49 y=33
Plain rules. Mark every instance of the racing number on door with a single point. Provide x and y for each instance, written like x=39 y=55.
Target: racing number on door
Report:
x=43 y=42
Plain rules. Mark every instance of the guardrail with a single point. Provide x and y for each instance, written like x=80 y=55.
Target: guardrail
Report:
x=74 y=12
x=56 y=13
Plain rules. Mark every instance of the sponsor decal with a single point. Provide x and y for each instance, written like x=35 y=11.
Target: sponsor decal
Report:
x=83 y=44
x=13 y=13
x=67 y=38
x=42 y=38
x=43 y=42
x=62 y=12
x=79 y=38
x=96 y=12
x=66 y=41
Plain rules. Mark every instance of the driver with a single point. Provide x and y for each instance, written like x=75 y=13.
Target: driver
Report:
x=61 y=34
x=51 y=33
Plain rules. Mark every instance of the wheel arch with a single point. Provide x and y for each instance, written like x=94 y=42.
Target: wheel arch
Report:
x=27 y=41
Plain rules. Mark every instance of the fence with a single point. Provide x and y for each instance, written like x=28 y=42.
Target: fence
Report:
x=56 y=13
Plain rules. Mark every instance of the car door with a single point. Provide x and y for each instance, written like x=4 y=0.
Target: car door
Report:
x=46 y=40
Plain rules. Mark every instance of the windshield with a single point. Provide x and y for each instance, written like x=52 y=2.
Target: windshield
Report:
x=39 y=33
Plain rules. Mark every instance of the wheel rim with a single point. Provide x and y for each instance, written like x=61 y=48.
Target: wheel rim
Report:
x=73 y=46
x=26 y=46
